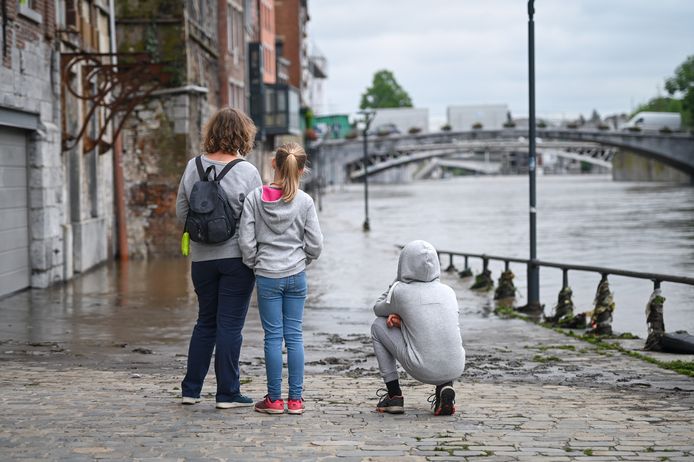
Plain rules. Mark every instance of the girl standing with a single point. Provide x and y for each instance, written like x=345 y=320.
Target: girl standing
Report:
x=222 y=282
x=279 y=236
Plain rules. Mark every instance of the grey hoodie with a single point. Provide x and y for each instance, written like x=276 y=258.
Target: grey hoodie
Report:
x=429 y=313
x=278 y=238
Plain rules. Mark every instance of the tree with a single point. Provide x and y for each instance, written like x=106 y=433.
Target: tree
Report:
x=384 y=92
x=659 y=104
x=683 y=82
x=595 y=117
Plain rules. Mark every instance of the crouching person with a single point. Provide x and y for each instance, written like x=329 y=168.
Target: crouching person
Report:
x=417 y=326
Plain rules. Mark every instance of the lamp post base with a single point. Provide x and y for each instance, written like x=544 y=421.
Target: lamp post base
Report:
x=366 y=226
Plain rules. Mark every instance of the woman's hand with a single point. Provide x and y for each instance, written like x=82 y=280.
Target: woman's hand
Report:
x=394 y=321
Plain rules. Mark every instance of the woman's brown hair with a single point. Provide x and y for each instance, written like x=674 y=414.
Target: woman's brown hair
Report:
x=290 y=160
x=228 y=130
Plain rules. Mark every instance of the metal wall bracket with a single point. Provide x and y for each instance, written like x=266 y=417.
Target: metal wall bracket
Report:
x=115 y=82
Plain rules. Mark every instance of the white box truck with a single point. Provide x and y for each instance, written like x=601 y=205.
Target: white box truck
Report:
x=490 y=116
x=400 y=120
x=649 y=121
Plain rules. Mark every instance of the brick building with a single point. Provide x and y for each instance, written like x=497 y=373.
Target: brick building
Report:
x=56 y=212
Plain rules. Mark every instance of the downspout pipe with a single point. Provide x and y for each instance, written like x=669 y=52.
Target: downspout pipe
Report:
x=118 y=181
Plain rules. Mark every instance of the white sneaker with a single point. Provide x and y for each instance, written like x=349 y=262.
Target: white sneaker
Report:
x=189 y=400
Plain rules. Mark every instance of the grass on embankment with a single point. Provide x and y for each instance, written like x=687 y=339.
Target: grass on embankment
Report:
x=602 y=343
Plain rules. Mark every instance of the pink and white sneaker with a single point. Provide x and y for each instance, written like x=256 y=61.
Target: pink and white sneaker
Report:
x=295 y=406
x=269 y=406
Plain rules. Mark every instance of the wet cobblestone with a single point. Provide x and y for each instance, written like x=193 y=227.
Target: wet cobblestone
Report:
x=53 y=409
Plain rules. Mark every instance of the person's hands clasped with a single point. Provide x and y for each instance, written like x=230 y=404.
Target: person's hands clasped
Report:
x=393 y=321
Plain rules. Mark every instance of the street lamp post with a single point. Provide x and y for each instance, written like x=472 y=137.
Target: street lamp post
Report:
x=368 y=118
x=533 y=269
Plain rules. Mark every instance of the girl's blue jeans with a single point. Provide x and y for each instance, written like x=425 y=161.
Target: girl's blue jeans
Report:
x=281 y=305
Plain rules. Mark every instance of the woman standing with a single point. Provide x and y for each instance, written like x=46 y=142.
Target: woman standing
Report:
x=222 y=282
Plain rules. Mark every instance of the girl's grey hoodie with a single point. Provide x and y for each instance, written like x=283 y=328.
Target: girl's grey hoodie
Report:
x=278 y=238
x=429 y=313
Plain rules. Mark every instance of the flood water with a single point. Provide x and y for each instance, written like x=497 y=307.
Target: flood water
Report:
x=583 y=220
x=589 y=220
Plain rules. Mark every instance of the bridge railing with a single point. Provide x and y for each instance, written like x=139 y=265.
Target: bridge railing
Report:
x=563 y=316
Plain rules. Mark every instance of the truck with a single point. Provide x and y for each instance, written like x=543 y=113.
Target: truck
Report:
x=400 y=120
x=486 y=116
x=654 y=121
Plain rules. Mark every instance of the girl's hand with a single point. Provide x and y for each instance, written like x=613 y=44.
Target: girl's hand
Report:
x=393 y=321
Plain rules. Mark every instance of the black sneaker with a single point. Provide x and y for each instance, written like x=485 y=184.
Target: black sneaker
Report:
x=391 y=405
x=443 y=403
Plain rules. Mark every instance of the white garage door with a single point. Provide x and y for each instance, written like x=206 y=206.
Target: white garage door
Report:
x=14 y=230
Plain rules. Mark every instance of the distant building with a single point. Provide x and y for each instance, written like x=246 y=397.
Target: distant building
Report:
x=489 y=116
x=306 y=66
x=332 y=127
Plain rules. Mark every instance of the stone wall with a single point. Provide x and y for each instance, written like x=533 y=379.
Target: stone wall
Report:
x=628 y=166
x=29 y=83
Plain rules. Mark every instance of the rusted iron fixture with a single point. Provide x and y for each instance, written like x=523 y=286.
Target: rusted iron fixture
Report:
x=115 y=82
x=505 y=287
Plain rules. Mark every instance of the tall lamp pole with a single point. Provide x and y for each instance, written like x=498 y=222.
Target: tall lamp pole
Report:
x=368 y=118
x=533 y=269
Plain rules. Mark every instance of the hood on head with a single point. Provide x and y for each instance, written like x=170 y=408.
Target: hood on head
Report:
x=278 y=215
x=418 y=262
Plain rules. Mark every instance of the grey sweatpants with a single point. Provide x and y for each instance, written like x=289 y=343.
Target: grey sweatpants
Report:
x=389 y=346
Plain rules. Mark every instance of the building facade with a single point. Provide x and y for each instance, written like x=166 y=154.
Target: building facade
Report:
x=56 y=207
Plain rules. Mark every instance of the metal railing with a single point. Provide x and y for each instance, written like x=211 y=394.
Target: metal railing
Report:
x=600 y=319
x=656 y=278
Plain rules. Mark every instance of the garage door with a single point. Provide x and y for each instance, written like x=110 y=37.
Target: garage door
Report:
x=14 y=230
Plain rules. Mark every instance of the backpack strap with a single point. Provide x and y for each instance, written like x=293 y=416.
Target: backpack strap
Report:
x=226 y=169
x=202 y=173
x=201 y=170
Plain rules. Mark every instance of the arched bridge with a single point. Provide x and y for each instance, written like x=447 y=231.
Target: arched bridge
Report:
x=340 y=159
x=462 y=150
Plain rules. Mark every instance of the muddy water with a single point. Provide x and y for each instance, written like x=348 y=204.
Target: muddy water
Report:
x=585 y=220
x=588 y=220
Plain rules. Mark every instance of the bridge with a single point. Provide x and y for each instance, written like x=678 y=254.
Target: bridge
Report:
x=342 y=160
x=408 y=154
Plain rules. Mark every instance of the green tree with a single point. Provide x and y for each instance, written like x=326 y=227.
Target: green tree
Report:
x=659 y=104
x=384 y=92
x=683 y=83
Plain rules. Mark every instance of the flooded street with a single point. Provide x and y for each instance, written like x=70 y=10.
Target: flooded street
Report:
x=583 y=220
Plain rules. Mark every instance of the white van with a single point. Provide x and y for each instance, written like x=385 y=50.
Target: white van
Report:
x=654 y=121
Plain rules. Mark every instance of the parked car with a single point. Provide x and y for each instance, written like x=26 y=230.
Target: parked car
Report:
x=654 y=121
x=385 y=129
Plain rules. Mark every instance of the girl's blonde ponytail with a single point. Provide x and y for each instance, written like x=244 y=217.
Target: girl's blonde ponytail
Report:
x=290 y=160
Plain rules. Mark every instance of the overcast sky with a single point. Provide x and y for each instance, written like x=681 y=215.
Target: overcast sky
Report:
x=608 y=55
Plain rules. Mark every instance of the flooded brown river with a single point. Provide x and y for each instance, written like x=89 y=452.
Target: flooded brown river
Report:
x=583 y=220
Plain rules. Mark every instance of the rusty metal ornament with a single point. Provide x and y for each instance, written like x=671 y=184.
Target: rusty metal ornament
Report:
x=115 y=82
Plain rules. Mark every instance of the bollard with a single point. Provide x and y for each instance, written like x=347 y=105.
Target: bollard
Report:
x=450 y=268
x=564 y=309
x=655 y=320
x=466 y=272
x=601 y=320
x=483 y=281
x=506 y=288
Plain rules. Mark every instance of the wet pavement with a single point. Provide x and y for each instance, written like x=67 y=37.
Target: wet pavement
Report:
x=92 y=369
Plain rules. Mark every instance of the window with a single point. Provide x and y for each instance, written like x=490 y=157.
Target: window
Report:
x=237 y=96
x=230 y=28
x=27 y=9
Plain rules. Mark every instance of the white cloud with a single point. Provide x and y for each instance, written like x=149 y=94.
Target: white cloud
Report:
x=590 y=54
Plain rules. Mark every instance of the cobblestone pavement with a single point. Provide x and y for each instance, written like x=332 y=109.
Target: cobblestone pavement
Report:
x=528 y=394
